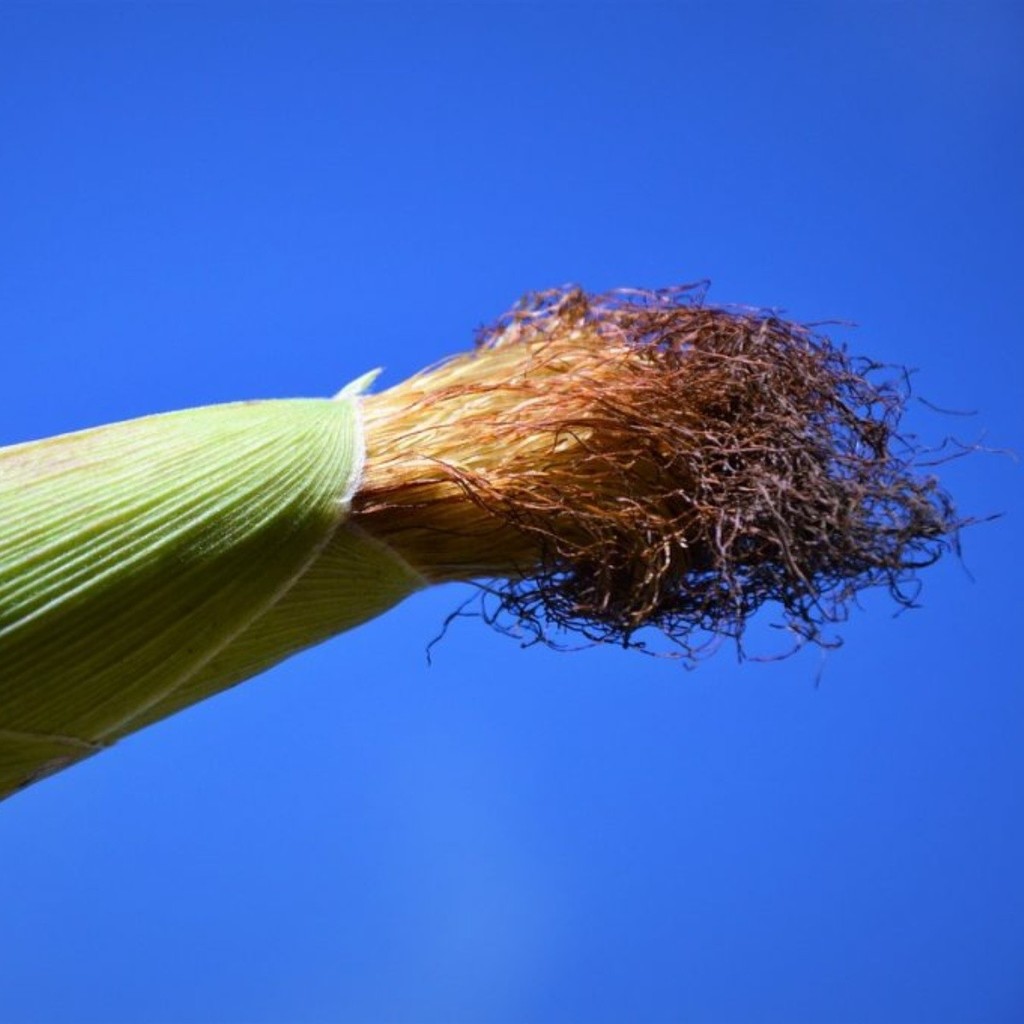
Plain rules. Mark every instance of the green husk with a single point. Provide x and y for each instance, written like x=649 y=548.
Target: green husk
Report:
x=145 y=565
x=352 y=580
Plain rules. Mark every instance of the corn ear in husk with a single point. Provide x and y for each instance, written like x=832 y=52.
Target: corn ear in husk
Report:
x=615 y=466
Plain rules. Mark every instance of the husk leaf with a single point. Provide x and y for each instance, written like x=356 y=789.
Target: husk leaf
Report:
x=133 y=555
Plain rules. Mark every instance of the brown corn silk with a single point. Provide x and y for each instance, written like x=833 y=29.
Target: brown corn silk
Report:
x=639 y=459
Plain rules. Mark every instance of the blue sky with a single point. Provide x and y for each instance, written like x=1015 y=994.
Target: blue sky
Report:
x=202 y=203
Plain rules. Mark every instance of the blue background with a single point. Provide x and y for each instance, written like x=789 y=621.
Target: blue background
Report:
x=201 y=203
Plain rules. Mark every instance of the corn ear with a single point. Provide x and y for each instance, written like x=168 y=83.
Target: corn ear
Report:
x=612 y=464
